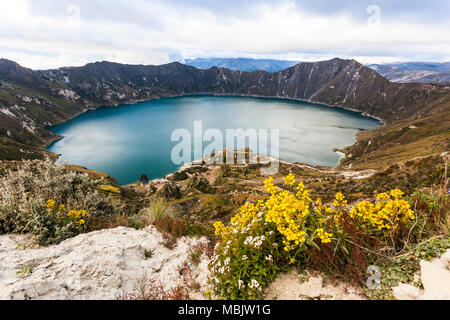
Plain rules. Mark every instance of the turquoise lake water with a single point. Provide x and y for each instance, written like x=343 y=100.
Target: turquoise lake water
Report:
x=129 y=140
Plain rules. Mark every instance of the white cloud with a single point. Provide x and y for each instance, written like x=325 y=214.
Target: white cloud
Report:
x=150 y=32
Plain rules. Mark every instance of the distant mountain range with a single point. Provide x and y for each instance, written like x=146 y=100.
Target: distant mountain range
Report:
x=30 y=100
x=425 y=72
x=418 y=66
x=243 y=64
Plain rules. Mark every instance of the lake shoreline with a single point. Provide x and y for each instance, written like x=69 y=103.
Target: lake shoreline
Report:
x=335 y=148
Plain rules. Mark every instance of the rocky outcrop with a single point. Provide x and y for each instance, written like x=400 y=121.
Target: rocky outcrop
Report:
x=169 y=190
x=97 y=265
x=112 y=263
x=201 y=184
x=435 y=277
x=293 y=286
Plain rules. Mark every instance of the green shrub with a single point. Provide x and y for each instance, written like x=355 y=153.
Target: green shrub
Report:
x=433 y=214
x=55 y=223
x=247 y=261
x=25 y=192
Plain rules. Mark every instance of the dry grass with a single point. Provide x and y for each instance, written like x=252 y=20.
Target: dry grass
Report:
x=155 y=291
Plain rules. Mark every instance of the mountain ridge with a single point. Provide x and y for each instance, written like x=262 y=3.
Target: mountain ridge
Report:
x=402 y=72
x=437 y=73
x=31 y=100
x=218 y=80
x=243 y=64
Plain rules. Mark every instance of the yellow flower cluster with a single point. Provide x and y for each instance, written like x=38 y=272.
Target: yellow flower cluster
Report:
x=289 y=180
x=268 y=184
x=248 y=214
x=221 y=229
x=50 y=203
x=288 y=211
x=387 y=214
x=291 y=220
x=77 y=216
x=339 y=201
x=323 y=212
x=324 y=236
x=298 y=219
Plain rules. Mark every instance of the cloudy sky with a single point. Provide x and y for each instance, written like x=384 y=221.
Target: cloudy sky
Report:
x=53 y=33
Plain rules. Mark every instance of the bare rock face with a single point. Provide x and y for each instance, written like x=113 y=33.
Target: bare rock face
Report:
x=202 y=185
x=292 y=286
x=170 y=190
x=435 y=277
x=97 y=265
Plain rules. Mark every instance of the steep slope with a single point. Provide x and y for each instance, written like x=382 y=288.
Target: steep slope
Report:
x=30 y=100
x=401 y=141
x=334 y=82
x=440 y=78
x=27 y=104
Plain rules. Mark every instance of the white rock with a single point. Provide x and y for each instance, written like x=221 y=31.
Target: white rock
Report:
x=7 y=112
x=406 y=292
x=96 y=265
x=287 y=286
x=68 y=94
x=435 y=277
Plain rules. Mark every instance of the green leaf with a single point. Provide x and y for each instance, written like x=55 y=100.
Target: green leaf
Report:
x=345 y=250
x=315 y=245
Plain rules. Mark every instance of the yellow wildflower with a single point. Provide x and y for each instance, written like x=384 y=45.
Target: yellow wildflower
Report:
x=383 y=196
x=396 y=193
x=72 y=214
x=51 y=203
x=297 y=218
x=220 y=229
x=387 y=214
x=268 y=184
x=339 y=201
x=289 y=180
x=324 y=236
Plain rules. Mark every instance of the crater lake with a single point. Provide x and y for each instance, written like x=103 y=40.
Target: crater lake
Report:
x=127 y=141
